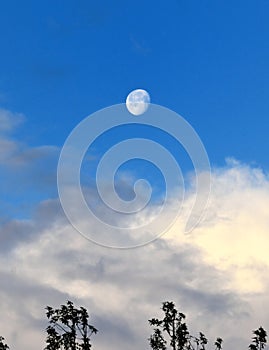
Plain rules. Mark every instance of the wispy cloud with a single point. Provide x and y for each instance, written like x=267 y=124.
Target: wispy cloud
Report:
x=9 y=120
x=27 y=173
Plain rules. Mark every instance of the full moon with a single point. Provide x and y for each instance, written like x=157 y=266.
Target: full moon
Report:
x=137 y=101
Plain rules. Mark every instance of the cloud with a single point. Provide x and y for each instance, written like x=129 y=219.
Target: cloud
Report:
x=27 y=173
x=7 y=149
x=9 y=120
x=217 y=274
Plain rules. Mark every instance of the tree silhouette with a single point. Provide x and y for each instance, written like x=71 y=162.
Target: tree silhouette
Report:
x=173 y=328
x=68 y=328
x=2 y=345
x=259 y=340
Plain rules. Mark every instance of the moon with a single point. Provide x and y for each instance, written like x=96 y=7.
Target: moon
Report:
x=137 y=101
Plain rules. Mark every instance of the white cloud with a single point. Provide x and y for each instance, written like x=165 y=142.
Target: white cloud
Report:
x=217 y=275
x=9 y=120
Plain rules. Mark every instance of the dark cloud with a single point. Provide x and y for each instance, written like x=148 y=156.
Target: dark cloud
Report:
x=15 y=232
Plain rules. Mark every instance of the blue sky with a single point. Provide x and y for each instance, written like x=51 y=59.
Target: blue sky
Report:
x=64 y=60
x=208 y=61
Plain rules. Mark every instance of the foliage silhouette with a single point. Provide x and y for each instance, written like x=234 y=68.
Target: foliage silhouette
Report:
x=173 y=331
x=68 y=328
x=259 y=340
x=2 y=345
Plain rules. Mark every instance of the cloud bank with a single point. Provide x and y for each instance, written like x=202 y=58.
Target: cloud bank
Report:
x=217 y=275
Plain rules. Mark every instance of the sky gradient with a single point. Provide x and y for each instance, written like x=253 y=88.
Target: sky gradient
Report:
x=64 y=60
